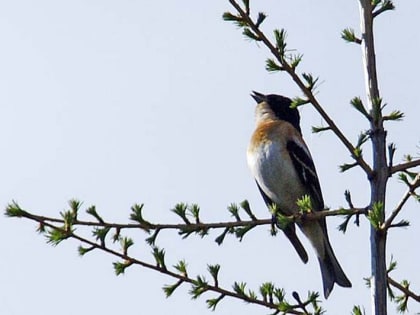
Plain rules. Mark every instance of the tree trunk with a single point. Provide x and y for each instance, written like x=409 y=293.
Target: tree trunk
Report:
x=380 y=169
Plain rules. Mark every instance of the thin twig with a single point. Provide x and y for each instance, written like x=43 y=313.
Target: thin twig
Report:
x=411 y=189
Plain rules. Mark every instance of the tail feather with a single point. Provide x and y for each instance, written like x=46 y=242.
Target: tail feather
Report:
x=289 y=230
x=290 y=233
x=331 y=271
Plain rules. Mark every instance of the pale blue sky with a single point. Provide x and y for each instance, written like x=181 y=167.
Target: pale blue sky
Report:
x=123 y=102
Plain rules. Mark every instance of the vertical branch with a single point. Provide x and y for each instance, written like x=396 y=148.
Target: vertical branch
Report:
x=380 y=170
x=368 y=51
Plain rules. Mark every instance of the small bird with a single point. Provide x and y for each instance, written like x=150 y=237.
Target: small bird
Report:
x=285 y=172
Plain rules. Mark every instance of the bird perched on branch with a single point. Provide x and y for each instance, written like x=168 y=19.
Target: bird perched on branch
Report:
x=285 y=172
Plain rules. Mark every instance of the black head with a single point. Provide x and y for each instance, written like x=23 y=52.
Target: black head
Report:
x=280 y=106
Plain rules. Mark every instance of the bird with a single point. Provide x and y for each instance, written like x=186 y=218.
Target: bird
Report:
x=284 y=171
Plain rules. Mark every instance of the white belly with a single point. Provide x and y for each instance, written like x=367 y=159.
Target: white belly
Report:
x=275 y=175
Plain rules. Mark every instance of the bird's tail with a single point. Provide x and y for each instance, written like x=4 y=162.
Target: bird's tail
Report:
x=331 y=270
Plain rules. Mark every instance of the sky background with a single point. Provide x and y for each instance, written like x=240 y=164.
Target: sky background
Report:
x=123 y=102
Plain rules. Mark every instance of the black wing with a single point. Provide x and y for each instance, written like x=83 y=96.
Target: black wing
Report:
x=305 y=169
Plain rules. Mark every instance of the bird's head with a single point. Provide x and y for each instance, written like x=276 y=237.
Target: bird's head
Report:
x=278 y=107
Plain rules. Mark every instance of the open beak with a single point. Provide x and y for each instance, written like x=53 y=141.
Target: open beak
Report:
x=258 y=97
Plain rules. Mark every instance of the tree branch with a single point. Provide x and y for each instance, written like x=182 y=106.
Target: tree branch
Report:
x=411 y=189
x=310 y=216
x=378 y=182
x=386 y=6
x=368 y=50
x=404 y=166
x=199 y=284
x=183 y=278
x=403 y=289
